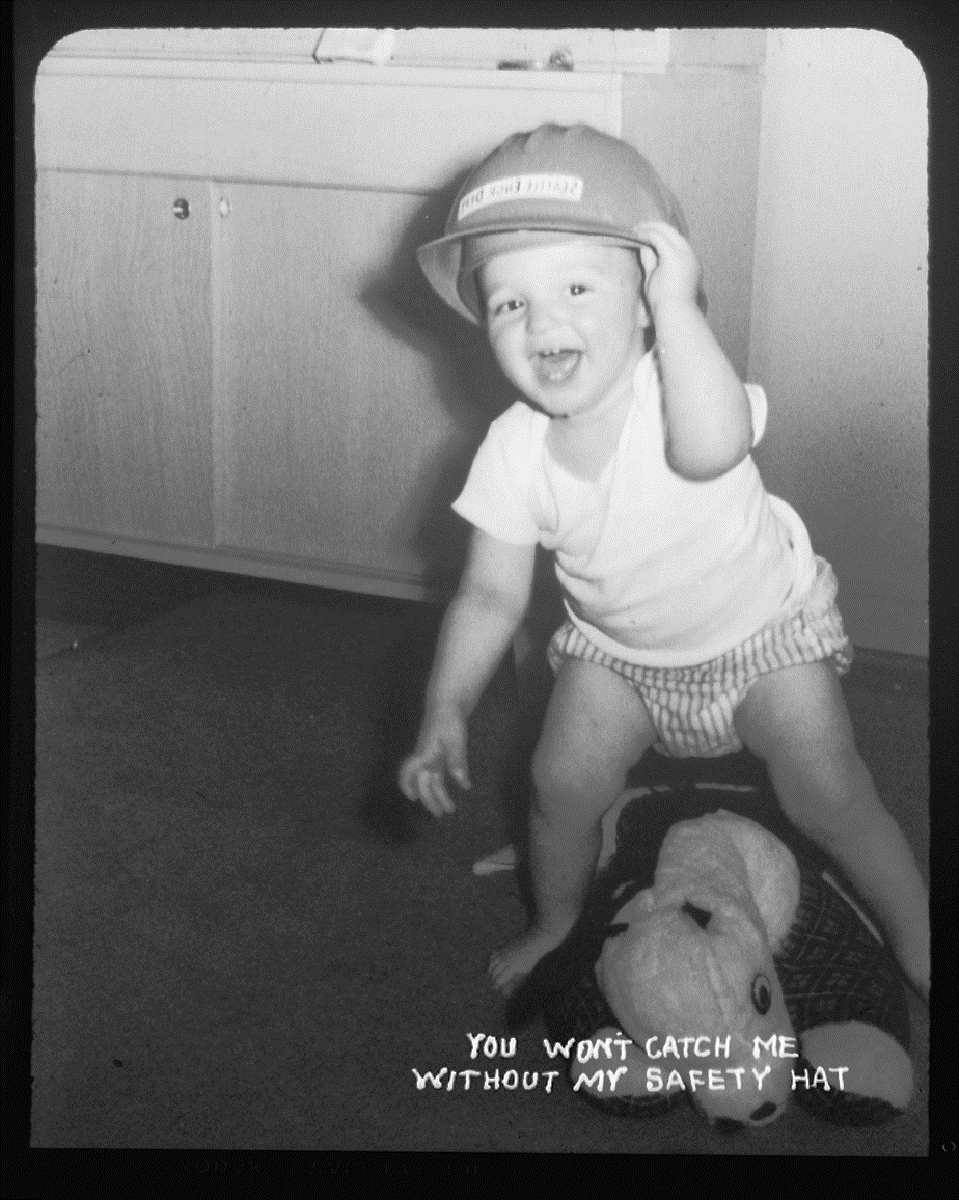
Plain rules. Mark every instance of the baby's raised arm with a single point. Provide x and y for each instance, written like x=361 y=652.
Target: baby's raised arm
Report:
x=706 y=411
x=476 y=632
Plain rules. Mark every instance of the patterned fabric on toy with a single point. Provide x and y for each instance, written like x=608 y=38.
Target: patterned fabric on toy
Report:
x=834 y=968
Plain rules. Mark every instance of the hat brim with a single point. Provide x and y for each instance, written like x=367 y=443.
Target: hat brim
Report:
x=440 y=260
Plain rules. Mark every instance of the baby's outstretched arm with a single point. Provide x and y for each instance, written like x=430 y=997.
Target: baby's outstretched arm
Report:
x=479 y=624
x=706 y=411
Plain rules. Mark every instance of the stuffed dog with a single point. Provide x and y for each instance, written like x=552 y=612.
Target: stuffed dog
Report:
x=714 y=962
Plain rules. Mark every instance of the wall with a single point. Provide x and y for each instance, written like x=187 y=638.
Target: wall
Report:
x=699 y=123
x=839 y=316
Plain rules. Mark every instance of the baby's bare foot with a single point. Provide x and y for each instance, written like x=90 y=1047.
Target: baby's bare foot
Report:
x=509 y=965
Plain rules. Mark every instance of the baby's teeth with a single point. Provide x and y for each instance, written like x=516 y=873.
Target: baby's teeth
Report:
x=558 y=366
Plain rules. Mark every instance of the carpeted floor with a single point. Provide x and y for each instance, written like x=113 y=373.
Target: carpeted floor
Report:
x=245 y=938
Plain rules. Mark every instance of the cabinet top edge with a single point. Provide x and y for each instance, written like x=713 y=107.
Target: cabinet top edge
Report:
x=327 y=73
x=430 y=49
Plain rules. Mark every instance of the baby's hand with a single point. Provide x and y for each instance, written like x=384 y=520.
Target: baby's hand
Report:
x=440 y=754
x=671 y=268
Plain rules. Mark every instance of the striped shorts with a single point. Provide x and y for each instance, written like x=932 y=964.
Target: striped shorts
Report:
x=692 y=707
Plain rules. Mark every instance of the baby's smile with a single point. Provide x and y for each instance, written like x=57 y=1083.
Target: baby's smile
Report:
x=555 y=367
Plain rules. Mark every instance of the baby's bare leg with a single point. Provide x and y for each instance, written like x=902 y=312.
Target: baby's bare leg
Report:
x=796 y=719
x=596 y=728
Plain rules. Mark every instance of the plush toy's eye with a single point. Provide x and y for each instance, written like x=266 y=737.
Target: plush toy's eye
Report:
x=762 y=995
x=702 y=916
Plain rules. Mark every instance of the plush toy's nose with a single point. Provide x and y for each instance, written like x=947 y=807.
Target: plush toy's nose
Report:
x=729 y=1125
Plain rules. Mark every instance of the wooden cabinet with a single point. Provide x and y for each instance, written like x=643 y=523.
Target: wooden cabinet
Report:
x=228 y=376
x=236 y=365
x=124 y=370
x=239 y=365
x=330 y=422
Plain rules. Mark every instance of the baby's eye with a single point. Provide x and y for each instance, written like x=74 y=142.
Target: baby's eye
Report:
x=507 y=306
x=577 y=289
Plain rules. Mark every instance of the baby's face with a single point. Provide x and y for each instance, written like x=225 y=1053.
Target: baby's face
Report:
x=566 y=322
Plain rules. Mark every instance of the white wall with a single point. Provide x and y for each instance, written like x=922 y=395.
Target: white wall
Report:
x=839 y=316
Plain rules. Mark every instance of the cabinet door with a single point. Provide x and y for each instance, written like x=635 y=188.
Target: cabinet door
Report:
x=124 y=358
x=339 y=442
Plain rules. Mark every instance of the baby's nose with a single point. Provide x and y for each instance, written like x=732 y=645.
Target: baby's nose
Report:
x=543 y=315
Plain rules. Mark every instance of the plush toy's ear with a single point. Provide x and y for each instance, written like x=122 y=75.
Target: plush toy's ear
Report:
x=772 y=871
x=727 y=855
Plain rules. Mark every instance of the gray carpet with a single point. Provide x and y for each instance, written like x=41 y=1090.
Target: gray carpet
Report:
x=244 y=938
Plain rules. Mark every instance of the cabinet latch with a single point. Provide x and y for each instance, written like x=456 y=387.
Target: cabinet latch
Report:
x=559 y=60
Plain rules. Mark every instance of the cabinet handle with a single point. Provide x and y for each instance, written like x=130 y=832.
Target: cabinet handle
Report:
x=181 y=208
x=559 y=60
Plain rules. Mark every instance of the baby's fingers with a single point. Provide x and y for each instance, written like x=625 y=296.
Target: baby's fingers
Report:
x=660 y=241
x=433 y=794
x=660 y=234
x=457 y=768
x=424 y=783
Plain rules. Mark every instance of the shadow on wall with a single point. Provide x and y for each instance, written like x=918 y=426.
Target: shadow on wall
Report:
x=467 y=383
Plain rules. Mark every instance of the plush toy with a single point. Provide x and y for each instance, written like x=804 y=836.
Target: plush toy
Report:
x=714 y=962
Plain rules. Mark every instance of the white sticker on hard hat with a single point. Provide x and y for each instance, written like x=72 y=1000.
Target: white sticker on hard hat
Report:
x=522 y=187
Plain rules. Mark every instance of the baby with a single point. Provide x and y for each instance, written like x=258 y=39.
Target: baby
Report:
x=700 y=620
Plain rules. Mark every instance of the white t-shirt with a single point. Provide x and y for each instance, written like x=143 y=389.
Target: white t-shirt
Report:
x=655 y=569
